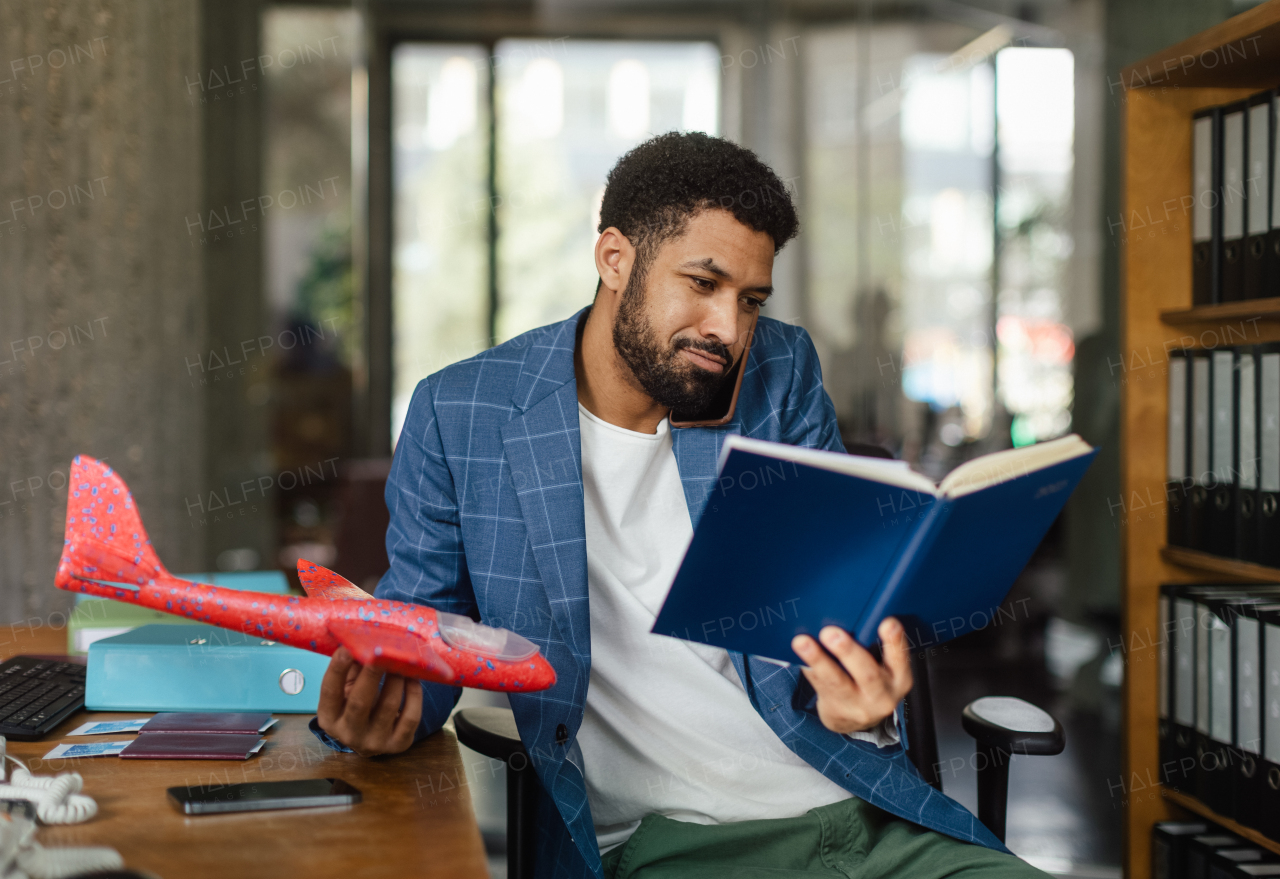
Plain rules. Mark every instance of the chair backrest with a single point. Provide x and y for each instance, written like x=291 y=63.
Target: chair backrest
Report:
x=922 y=736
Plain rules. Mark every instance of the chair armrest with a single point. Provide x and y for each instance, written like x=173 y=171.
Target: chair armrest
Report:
x=1013 y=725
x=490 y=731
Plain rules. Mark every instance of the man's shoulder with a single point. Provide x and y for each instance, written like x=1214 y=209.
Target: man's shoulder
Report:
x=778 y=350
x=778 y=337
x=496 y=371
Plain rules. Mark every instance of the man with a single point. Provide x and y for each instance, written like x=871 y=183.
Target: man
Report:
x=541 y=486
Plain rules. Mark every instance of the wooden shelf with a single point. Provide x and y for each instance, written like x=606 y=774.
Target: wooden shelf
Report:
x=1239 y=53
x=1191 y=804
x=1214 y=564
x=1225 y=63
x=1262 y=309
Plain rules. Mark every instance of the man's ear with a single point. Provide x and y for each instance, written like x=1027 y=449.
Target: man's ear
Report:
x=614 y=258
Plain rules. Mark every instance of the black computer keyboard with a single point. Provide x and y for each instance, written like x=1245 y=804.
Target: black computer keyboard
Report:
x=38 y=694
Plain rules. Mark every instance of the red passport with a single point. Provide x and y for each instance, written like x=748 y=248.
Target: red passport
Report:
x=221 y=723
x=193 y=746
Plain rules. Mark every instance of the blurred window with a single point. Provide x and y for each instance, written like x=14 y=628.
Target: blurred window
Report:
x=917 y=137
x=562 y=112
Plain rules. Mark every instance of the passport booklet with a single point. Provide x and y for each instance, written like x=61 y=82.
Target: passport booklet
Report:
x=793 y=539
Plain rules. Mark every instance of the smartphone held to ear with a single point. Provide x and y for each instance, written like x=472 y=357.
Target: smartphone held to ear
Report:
x=304 y=793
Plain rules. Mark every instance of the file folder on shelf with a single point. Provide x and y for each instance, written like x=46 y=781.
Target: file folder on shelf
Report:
x=1200 y=851
x=1213 y=705
x=1246 y=505
x=1178 y=471
x=1249 y=772
x=1178 y=758
x=1222 y=452
x=1273 y=236
x=1234 y=140
x=1168 y=847
x=1197 y=511
x=1269 y=788
x=1206 y=182
x=1269 y=455
x=1261 y=127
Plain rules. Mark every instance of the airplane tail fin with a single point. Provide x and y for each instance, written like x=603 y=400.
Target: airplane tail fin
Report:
x=104 y=538
x=320 y=582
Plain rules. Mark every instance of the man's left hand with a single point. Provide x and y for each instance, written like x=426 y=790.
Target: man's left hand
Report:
x=856 y=693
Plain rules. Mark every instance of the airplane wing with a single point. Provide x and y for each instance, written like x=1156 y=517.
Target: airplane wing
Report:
x=391 y=649
x=323 y=583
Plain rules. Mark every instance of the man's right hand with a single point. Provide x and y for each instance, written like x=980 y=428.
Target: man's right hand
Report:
x=369 y=722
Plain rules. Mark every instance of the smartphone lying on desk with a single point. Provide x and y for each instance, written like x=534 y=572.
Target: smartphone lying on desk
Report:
x=300 y=794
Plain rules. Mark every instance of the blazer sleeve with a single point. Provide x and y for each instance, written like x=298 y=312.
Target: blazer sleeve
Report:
x=424 y=541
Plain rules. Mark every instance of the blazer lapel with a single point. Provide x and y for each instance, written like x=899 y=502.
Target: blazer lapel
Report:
x=543 y=450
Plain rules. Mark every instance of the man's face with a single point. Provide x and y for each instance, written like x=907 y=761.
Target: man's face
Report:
x=683 y=320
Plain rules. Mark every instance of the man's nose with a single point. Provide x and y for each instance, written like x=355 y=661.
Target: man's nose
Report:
x=720 y=321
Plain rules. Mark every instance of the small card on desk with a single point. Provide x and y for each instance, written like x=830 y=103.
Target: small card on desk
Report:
x=108 y=727
x=87 y=749
x=214 y=723
x=193 y=746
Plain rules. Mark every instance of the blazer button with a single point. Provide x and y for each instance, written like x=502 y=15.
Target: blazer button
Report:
x=562 y=734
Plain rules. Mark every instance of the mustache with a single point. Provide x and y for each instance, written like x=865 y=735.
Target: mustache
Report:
x=719 y=349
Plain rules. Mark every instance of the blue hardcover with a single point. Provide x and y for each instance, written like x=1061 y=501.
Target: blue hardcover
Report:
x=785 y=548
x=200 y=668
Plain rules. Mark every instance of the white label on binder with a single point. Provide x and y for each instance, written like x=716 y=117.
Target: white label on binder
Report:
x=1202 y=171
x=1219 y=680
x=1200 y=419
x=1248 y=687
x=1271 y=694
x=1204 y=621
x=1259 y=183
x=1270 y=414
x=1162 y=698
x=1184 y=656
x=1177 y=420
x=1233 y=176
x=1248 y=459
x=1223 y=400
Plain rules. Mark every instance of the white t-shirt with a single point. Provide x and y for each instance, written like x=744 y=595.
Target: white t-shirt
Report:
x=668 y=726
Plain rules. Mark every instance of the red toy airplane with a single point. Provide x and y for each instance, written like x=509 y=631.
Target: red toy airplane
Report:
x=107 y=553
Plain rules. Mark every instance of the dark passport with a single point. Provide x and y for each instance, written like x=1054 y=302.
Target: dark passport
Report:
x=192 y=746
x=219 y=723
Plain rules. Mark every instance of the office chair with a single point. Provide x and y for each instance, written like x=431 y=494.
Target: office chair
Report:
x=1000 y=725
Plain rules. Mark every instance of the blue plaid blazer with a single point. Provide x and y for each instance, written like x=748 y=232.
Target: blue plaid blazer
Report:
x=485 y=496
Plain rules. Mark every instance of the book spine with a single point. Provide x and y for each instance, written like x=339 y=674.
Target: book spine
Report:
x=908 y=563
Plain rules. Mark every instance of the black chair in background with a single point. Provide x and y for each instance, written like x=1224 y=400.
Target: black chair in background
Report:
x=1000 y=725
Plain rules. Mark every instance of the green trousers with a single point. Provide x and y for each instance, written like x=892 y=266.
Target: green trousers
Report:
x=850 y=839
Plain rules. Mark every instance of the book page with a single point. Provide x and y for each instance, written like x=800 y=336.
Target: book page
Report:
x=1000 y=467
x=884 y=470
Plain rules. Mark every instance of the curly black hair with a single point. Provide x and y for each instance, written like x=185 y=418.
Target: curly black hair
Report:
x=655 y=188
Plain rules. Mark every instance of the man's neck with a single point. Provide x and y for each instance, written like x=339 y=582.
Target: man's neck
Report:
x=606 y=386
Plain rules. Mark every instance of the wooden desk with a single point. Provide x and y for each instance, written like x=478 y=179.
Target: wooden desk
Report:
x=415 y=820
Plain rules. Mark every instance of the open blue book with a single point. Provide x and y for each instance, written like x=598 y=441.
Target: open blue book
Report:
x=793 y=539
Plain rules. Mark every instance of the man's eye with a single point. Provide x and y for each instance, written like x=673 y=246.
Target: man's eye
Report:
x=703 y=283
x=753 y=303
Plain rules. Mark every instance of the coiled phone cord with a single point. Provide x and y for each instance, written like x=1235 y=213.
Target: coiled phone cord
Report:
x=57 y=798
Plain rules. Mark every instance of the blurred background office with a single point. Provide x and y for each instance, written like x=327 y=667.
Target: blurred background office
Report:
x=234 y=235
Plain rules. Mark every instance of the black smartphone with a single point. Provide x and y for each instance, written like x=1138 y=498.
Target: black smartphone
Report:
x=261 y=795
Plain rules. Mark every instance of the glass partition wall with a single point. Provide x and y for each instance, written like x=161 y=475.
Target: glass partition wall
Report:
x=499 y=160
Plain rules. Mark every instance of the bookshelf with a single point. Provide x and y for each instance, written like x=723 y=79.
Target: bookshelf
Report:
x=1229 y=62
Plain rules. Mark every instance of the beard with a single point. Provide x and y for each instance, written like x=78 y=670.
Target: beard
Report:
x=669 y=379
